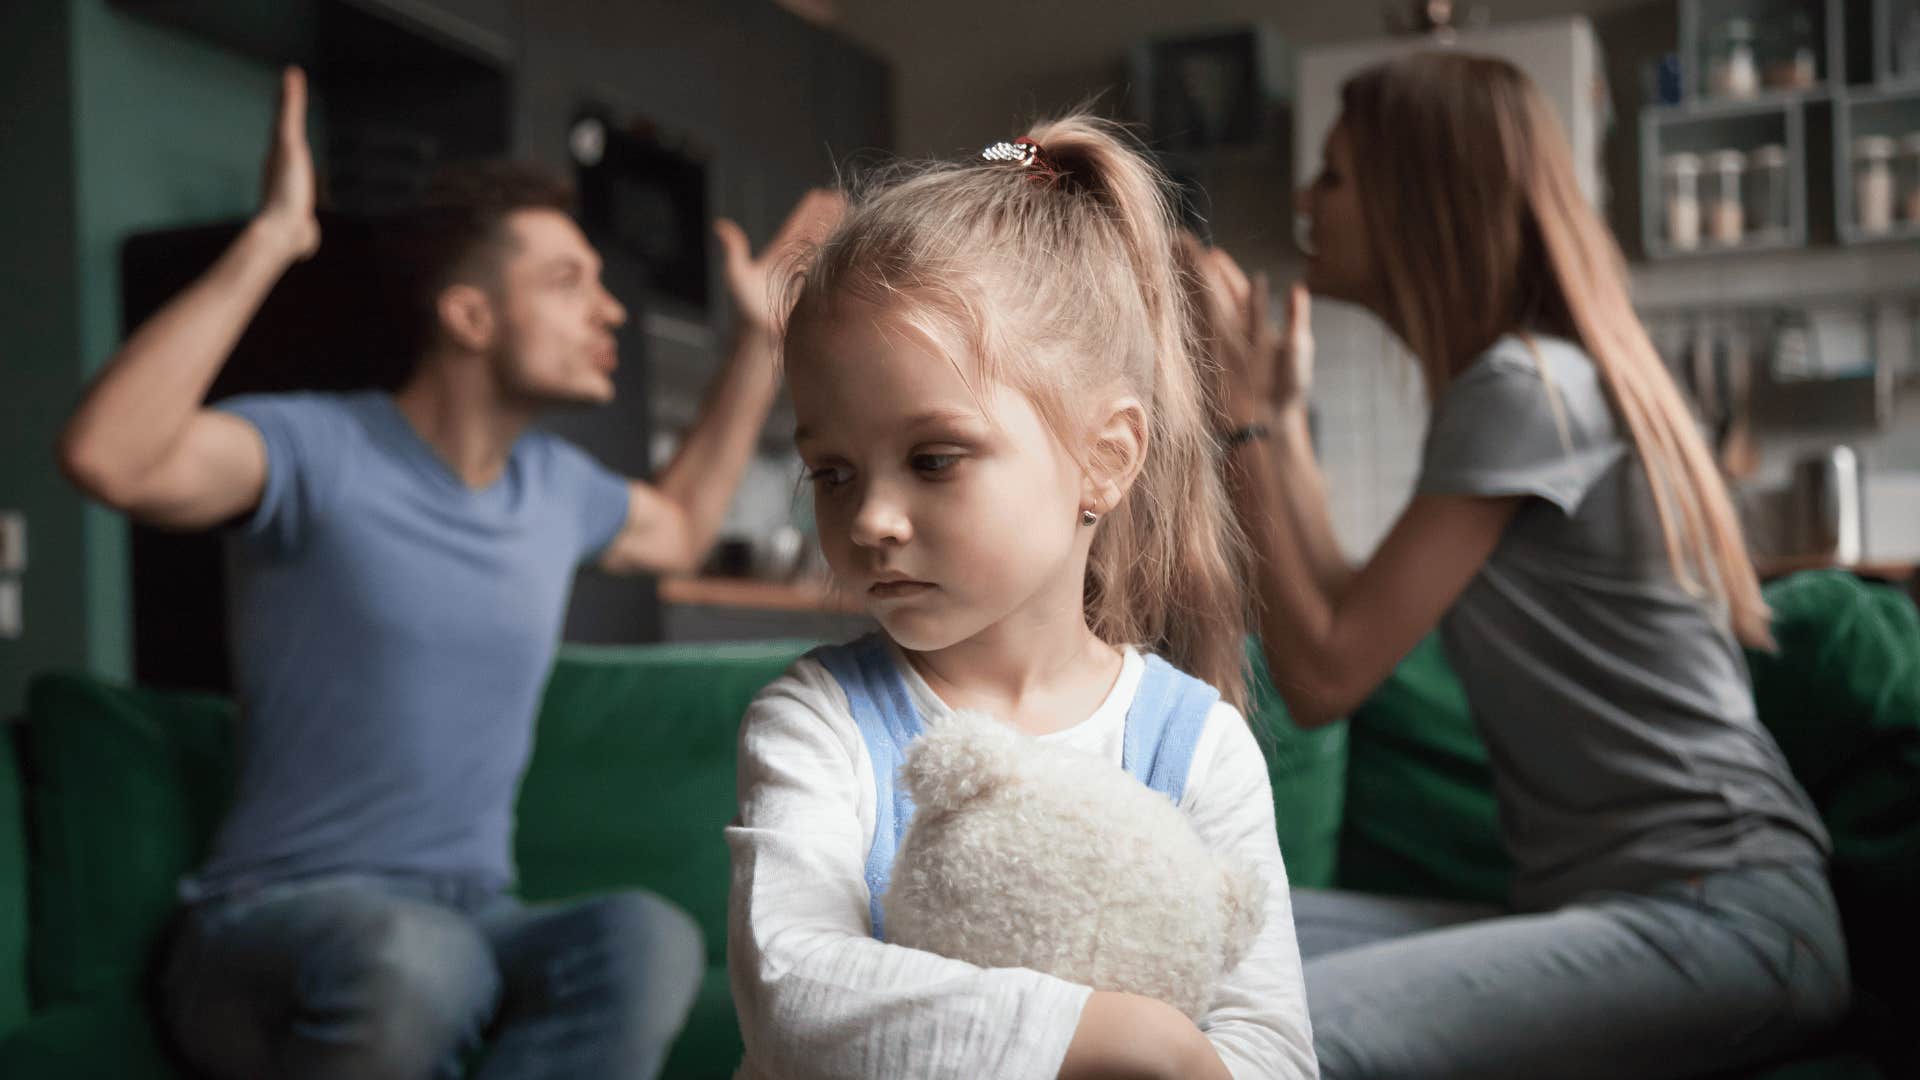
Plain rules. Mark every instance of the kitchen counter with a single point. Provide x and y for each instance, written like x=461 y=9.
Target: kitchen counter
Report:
x=747 y=609
x=757 y=594
x=1774 y=566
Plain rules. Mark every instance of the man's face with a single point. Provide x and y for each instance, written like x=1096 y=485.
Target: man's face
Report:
x=555 y=342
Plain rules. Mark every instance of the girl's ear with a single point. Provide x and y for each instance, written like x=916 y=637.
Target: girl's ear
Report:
x=1116 y=451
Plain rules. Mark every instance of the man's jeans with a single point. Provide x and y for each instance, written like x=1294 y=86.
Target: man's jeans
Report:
x=374 y=976
x=1686 y=978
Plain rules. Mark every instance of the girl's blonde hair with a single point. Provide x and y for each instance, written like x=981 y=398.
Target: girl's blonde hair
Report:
x=1480 y=229
x=1060 y=280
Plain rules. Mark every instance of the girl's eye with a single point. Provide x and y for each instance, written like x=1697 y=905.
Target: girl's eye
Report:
x=933 y=463
x=829 y=476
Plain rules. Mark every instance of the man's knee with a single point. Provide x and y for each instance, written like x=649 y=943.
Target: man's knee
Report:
x=657 y=955
x=393 y=990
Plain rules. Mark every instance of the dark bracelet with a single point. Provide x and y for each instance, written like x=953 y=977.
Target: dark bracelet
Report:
x=1244 y=434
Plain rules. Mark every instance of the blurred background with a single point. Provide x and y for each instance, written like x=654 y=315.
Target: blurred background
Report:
x=1759 y=161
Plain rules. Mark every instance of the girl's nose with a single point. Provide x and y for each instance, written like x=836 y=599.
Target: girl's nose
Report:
x=881 y=520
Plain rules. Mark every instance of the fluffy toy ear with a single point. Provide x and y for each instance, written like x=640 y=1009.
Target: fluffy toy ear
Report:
x=959 y=758
x=1243 y=896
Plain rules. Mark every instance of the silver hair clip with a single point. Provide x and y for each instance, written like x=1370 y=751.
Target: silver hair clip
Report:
x=1021 y=152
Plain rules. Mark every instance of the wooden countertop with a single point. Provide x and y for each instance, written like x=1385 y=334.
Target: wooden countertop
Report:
x=1773 y=566
x=804 y=596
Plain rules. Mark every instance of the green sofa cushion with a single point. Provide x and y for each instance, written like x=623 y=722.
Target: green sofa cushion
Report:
x=110 y=1039
x=1842 y=696
x=1840 y=1066
x=125 y=787
x=632 y=778
x=1309 y=774
x=709 y=1047
x=1420 y=816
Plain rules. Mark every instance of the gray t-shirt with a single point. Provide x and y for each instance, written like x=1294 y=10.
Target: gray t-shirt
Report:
x=392 y=630
x=1615 y=706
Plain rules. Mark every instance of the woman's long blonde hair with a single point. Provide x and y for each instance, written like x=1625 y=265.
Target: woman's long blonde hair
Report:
x=1060 y=280
x=1479 y=228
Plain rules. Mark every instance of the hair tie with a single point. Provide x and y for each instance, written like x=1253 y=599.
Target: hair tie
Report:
x=1021 y=153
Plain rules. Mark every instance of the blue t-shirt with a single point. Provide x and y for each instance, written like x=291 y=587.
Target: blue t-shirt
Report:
x=392 y=629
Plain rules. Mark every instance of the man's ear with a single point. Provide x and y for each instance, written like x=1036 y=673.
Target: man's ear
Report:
x=467 y=317
x=1116 y=451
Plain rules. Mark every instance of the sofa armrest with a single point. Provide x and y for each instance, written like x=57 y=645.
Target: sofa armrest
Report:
x=112 y=1039
x=13 y=885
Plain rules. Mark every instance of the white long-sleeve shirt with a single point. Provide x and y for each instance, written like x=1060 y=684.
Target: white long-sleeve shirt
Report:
x=818 y=996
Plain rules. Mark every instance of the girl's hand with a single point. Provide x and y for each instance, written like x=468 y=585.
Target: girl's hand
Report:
x=1261 y=368
x=1130 y=1037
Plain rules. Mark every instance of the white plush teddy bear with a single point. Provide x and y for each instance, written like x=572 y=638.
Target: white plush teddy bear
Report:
x=1026 y=854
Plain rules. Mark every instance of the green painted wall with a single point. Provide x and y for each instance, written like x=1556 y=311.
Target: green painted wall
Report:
x=133 y=126
x=39 y=334
x=169 y=130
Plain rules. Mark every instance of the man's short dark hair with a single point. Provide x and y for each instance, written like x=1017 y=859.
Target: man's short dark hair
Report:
x=458 y=232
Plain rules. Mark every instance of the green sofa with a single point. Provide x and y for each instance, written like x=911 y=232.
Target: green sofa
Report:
x=109 y=793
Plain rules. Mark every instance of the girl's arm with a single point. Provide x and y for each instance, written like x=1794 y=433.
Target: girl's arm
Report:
x=817 y=995
x=1257 y=1023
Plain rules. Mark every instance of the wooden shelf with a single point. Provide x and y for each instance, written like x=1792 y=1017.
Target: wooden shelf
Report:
x=1763 y=104
x=1707 y=249
x=1901 y=232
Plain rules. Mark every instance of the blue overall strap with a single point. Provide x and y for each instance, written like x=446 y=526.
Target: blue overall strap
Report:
x=888 y=723
x=1163 y=726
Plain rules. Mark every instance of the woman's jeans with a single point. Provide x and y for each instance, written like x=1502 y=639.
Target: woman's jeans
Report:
x=1690 y=977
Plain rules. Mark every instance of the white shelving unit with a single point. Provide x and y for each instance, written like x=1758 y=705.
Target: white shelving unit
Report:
x=1896 y=54
x=1702 y=129
x=1700 y=21
x=1892 y=111
x=1863 y=84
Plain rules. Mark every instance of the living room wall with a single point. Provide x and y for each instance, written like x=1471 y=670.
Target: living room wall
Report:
x=117 y=125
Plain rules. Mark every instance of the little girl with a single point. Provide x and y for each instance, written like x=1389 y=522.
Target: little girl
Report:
x=1012 y=463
